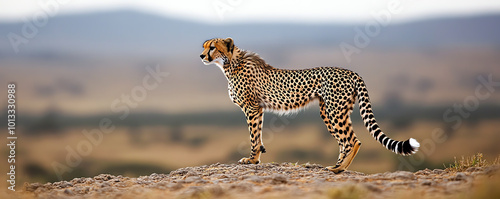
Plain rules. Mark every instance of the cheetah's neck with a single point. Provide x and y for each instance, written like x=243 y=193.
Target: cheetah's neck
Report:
x=240 y=58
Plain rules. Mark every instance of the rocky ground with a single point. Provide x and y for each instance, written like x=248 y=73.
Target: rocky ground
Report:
x=272 y=180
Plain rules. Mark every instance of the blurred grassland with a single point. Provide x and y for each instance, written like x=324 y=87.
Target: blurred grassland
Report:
x=189 y=120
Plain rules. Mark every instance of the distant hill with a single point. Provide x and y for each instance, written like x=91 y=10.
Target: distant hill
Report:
x=127 y=32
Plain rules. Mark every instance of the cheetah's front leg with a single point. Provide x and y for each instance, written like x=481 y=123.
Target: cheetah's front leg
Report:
x=254 y=116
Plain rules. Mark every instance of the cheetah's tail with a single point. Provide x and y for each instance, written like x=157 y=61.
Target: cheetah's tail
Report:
x=407 y=147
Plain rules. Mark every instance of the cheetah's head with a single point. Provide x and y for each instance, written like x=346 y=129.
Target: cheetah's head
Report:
x=216 y=51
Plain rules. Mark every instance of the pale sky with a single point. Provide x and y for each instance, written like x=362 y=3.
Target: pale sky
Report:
x=234 y=11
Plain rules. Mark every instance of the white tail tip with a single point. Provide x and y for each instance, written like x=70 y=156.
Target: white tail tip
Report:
x=414 y=143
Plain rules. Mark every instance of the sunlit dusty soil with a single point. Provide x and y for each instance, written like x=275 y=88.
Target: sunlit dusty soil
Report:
x=271 y=180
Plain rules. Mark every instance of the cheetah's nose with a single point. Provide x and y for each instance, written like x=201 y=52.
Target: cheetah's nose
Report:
x=202 y=56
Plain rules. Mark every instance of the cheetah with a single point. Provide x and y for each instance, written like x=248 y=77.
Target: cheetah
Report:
x=255 y=87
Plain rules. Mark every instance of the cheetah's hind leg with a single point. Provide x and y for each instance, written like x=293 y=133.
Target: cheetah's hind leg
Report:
x=341 y=129
x=353 y=151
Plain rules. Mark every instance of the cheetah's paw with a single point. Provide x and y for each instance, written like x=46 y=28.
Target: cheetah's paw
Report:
x=248 y=161
x=335 y=169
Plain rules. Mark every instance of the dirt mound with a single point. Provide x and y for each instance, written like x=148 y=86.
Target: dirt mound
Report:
x=266 y=180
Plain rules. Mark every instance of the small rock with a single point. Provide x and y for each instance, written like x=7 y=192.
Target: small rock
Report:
x=254 y=178
x=427 y=183
x=349 y=172
x=244 y=187
x=160 y=184
x=401 y=175
x=312 y=166
x=354 y=179
x=104 y=177
x=460 y=176
x=398 y=183
x=121 y=184
x=245 y=173
x=89 y=180
x=115 y=180
x=372 y=187
x=319 y=180
x=215 y=165
x=192 y=173
x=423 y=172
x=175 y=186
x=81 y=190
x=153 y=177
x=68 y=192
x=178 y=172
x=105 y=184
x=192 y=179
x=78 y=181
x=438 y=171
x=472 y=169
x=32 y=187
x=279 y=179
x=143 y=182
x=63 y=184
x=220 y=176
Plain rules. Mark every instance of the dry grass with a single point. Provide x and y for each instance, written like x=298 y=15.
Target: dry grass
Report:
x=471 y=161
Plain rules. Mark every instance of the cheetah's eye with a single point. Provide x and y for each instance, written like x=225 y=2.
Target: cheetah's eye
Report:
x=211 y=47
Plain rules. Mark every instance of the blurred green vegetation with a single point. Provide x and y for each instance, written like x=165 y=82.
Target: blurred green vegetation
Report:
x=54 y=122
x=218 y=137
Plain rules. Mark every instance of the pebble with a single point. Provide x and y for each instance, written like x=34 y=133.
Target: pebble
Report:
x=175 y=186
x=401 y=175
x=63 y=184
x=472 y=169
x=460 y=176
x=254 y=178
x=68 y=192
x=242 y=186
x=398 y=183
x=192 y=173
x=279 y=179
x=81 y=190
x=427 y=183
x=192 y=179
x=220 y=176
x=438 y=171
x=372 y=187
x=105 y=184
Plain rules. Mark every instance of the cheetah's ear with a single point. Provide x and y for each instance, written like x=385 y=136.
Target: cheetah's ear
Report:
x=229 y=44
